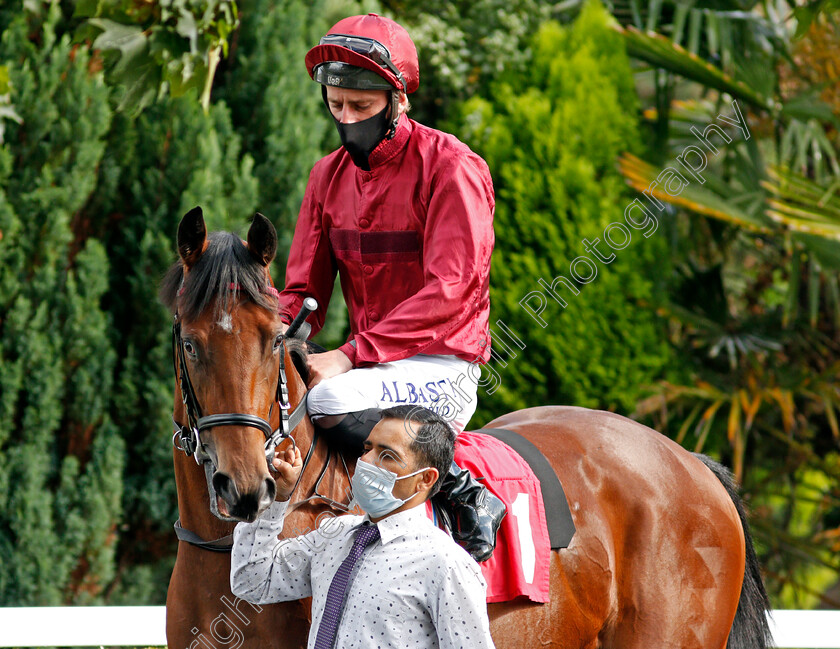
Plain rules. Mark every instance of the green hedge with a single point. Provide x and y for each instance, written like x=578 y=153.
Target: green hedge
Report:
x=551 y=138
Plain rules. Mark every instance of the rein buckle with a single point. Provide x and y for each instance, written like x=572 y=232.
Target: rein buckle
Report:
x=181 y=439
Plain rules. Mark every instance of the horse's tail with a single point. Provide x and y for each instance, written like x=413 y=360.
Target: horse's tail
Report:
x=750 y=630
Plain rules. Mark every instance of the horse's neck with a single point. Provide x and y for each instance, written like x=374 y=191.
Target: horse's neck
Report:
x=334 y=483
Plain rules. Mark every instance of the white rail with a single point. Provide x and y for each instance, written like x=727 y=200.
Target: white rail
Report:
x=143 y=626
x=806 y=629
x=83 y=626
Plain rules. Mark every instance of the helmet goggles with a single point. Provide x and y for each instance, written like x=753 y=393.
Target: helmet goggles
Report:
x=344 y=75
x=368 y=47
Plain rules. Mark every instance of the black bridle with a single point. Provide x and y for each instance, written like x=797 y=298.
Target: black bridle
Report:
x=189 y=436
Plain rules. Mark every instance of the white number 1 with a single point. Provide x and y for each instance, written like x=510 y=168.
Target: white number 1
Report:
x=522 y=513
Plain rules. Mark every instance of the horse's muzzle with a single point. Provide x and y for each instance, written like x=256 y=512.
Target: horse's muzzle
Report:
x=244 y=507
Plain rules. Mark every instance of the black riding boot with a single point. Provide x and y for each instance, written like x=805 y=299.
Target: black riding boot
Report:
x=475 y=512
x=349 y=435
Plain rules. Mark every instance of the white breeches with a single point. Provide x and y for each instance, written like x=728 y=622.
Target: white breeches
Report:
x=440 y=383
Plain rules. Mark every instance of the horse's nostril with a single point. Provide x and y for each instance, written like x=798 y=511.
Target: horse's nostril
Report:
x=225 y=487
x=244 y=506
x=270 y=490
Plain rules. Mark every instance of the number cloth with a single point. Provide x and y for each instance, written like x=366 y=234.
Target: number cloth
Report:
x=414 y=588
x=521 y=562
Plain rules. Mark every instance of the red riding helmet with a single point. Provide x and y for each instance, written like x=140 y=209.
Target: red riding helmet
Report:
x=367 y=53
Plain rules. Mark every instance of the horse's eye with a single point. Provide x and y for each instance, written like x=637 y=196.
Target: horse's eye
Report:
x=189 y=348
x=278 y=342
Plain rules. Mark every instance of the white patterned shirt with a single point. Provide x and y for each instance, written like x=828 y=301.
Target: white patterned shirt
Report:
x=414 y=588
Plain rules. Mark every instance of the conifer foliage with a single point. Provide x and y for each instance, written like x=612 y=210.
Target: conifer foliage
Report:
x=60 y=455
x=170 y=159
x=91 y=193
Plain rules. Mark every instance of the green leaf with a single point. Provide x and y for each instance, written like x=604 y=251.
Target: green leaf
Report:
x=810 y=106
x=833 y=291
x=128 y=39
x=681 y=13
x=85 y=8
x=136 y=70
x=695 y=197
x=5 y=86
x=187 y=28
x=141 y=81
x=183 y=76
x=663 y=53
x=8 y=112
x=694 y=31
x=794 y=276
x=813 y=291
x=827 y=252
x=181 y=39
x=804 y=17
x=805 y=207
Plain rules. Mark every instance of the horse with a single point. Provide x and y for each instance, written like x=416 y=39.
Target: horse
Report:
x=662 y=555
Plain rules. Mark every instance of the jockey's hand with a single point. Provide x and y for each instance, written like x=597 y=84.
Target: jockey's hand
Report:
x=288 y=465
x=326 y=365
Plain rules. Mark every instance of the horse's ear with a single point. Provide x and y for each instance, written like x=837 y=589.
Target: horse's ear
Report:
x=192 y=237
x=262 y=239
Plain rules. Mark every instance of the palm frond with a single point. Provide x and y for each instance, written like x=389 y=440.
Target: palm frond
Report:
x=663 y=53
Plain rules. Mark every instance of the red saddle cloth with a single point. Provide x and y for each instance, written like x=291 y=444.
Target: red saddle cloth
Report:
x=520 y=563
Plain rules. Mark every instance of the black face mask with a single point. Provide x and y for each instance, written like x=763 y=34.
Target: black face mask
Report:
x=361 y=138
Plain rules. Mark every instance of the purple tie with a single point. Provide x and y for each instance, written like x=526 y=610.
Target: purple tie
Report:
x=366 y=535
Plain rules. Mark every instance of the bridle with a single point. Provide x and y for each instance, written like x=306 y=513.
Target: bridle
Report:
x=188 y=437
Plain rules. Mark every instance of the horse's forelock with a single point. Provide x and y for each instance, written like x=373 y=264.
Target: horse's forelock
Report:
x=225 y=272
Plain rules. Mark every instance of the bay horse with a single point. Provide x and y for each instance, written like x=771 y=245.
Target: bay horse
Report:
x=662 y=557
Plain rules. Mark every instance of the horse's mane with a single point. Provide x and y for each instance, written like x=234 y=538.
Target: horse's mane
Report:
x=299 y=350
x=226 y=271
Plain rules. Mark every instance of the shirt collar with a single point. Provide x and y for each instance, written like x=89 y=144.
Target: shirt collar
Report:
x=387 y=149
x=399 y=524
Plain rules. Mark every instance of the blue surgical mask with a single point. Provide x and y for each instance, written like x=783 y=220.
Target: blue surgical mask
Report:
x=373 y=488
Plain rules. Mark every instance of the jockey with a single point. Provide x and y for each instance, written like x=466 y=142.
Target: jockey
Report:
x=404 y=214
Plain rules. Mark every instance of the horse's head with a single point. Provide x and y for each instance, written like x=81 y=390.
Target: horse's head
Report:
x=228 y=346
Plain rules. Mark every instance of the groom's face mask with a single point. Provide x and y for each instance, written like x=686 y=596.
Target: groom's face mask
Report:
x=387 y=474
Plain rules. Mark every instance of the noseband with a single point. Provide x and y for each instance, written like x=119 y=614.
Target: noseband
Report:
x=189 y=436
